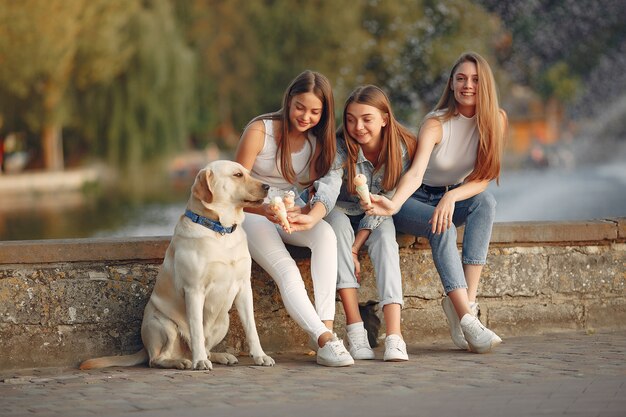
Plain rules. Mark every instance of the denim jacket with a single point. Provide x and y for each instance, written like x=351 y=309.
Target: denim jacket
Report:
x=331 y=189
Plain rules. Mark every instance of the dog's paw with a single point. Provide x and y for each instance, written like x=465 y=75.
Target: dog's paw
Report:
x=263 y=360
x=224 y=358
x=182 y=364
x=203 y=365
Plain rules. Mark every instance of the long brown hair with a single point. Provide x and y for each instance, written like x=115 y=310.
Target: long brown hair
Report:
x=393 y=134
x=488 y=117
x=324 y=131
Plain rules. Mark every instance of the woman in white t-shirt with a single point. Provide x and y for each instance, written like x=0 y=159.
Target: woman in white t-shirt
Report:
x=458 y=154
x=289 y=150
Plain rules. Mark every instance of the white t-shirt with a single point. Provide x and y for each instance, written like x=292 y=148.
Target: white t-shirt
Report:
x=267 y=167
x=453 y=159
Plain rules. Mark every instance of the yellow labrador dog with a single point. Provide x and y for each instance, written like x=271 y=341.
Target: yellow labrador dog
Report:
x=206 y=269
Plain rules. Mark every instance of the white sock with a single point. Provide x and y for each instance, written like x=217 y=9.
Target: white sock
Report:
x=354 y=326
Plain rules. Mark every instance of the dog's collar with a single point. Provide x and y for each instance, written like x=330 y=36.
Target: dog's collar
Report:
x=210 y=224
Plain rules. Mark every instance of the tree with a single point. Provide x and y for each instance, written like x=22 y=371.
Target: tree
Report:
x=47 y=44
x=222 y=38
x=556 y=44
x=414 y=43
x=249 y=51
x=145 y=111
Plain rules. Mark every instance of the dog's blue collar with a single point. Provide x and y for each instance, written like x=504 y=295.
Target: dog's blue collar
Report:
x=210 y=224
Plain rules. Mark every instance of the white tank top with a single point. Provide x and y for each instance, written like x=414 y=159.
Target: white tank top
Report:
x=266 y=166
x=453 y=159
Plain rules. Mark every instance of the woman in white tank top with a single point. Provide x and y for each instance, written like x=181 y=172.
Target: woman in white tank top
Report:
x=458 y=154
x=288 y=150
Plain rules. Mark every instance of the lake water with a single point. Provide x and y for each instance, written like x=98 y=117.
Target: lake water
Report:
x=583 y=193
x=587 y=192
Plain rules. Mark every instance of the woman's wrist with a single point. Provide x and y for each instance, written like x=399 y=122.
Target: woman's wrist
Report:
x=393 y=207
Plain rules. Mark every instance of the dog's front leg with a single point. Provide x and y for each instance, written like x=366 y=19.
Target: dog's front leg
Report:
x=194 y=303
x=244 y=305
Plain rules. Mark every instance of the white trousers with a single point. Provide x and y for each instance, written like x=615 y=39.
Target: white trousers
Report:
x=267 y=247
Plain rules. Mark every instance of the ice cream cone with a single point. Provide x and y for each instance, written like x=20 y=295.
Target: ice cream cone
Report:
x=360 y=183
x=278 y=206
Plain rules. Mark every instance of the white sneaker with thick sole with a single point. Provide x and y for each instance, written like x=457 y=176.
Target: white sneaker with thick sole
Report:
x=359 y=345
x=479 y=338
x=395 y=349
x=455 y=324
x=475 y=309
x=334 y=353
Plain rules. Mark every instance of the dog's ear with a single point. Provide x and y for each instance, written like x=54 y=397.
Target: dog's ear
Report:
x=201 y=188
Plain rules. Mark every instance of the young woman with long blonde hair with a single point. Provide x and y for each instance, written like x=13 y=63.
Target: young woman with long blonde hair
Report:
x=459 y=152
x=289 y=149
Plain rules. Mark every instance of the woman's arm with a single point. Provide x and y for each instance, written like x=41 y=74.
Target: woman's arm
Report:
x=250 y=145
x=429 y=135
x=442 y=216
x=306 y=221
x=326 y=192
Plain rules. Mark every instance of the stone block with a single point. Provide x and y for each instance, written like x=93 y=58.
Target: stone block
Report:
x=419 y=276
x=44 y=346
x=552 y=231
x=534 y=316
x=24 y=300
x=606 y=313
x=425 y=321
x=587 y=270
x=516 y=272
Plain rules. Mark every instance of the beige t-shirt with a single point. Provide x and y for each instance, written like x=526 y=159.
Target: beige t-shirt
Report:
x=453 y=159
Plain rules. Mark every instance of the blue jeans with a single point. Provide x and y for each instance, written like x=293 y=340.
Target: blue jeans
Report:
x=476 y=213
x=382 y=247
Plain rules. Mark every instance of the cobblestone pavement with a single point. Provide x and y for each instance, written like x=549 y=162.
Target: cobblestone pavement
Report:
x=573 y=374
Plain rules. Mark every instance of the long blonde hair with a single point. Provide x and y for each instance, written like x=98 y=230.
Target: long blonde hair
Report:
x=324 y=131
x=392 y=135
x=488 y=117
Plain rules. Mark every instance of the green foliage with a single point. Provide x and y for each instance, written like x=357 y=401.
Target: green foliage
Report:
x=557 y=43
x=144 y=113
x=414 y=43
x=133 y=80
x=559 y=82
x=49 y=47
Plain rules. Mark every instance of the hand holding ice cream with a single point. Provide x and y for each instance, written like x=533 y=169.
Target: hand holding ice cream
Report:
x=278 y=206
x=360 y=183
x=289 y=199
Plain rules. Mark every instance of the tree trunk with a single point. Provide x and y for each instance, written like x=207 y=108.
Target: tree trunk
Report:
x=52 y=146
x=51 y=139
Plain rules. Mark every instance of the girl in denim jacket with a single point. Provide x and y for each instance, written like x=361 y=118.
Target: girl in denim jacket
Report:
x=373 y=143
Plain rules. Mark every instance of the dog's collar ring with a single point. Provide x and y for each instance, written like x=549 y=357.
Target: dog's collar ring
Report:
x=210 y=224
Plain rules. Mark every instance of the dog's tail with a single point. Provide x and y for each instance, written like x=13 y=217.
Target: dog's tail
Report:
x=124 y=360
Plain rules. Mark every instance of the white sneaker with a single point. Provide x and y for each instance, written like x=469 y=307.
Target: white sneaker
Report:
x=358 y=345
x=455 y=324
x=334 y=353
x=479 y=338
x=395 y=349
x=475 y=310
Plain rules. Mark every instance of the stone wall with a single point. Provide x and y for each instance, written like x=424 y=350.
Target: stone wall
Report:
x=62 y=301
